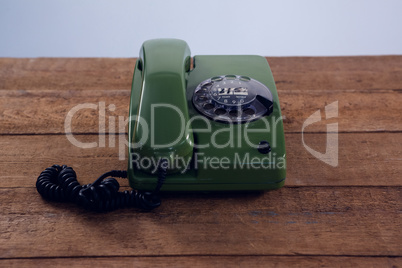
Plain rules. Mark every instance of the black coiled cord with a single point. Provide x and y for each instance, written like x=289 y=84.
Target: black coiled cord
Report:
x=59 y=183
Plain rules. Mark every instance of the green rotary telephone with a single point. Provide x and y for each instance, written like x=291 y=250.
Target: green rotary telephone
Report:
x=216 y=124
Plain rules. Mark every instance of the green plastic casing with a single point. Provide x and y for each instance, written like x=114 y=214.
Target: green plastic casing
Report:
x=220 y=156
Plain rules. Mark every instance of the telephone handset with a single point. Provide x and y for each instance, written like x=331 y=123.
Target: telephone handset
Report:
x=207 y=123
x=215 y=126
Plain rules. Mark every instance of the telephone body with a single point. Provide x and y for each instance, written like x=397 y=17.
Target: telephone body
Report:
x=216 y=121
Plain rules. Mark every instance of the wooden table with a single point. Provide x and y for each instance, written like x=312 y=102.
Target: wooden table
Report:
x=324 y=216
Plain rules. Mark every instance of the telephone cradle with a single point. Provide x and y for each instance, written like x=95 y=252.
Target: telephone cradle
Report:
x=207 y=123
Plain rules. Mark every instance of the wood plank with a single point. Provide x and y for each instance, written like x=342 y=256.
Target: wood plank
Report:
x=45 y=111
x=66 y=73
x=347 y=221
x=207 y=261
x=345 y=214
x=299 y=73
x=365 y=159
x=337 y=73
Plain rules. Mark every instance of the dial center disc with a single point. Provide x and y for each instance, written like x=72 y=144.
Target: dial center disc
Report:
x=232 y=98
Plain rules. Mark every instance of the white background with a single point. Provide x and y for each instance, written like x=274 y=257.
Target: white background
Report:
x=90 y=28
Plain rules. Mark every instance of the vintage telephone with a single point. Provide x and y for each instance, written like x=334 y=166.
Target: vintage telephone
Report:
x=211 y=123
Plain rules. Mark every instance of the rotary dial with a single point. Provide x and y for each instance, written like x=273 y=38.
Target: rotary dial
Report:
x=233 y=99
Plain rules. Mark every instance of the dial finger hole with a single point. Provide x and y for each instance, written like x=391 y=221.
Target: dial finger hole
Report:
x=234 y=113
x=208 y=106
x=216 y=79
x=230 y=76
x=206 y=85
x=249 y=111
x=202 y=98
x=203 y=90
x=220 y=111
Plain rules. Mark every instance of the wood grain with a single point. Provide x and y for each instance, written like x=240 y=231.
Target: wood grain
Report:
x=337 y=73
x=349 y=215
x=45 y=111
x=299 y=73
x=367 y=103
x=364 y=159
x=209 y=261
x=355 y=221
x=66 y=73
